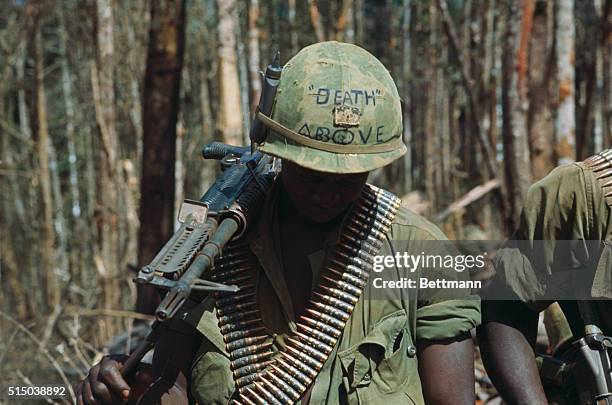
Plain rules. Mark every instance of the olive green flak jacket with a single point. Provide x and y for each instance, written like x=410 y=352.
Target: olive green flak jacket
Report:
x=374 y=361
x=567 y=205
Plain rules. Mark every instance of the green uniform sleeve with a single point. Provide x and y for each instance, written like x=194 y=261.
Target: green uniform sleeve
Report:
x=211 y=376
x=562 y=213
x=447 y=319
x=441 y=313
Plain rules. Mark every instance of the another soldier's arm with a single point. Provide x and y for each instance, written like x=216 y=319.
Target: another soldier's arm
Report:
x=446 y=368
x=506 y=338
x=557 y=210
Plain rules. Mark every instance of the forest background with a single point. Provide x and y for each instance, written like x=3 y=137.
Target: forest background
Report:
x=105 y=105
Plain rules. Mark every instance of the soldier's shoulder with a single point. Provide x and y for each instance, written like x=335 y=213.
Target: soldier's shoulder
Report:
x=566 y=191
x=410 y=225
x=567 y=171
x=570 y=176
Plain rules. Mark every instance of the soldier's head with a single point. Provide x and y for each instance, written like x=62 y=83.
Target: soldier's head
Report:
x=336 y=117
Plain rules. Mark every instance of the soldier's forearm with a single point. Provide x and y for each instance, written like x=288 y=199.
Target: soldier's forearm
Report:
x=450 y=361
x=507 y=354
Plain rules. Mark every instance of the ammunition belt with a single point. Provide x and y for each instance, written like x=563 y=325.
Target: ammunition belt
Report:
x=601 y=165
x=261 y=379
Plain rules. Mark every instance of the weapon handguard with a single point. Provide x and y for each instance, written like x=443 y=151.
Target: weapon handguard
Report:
x=175 y=298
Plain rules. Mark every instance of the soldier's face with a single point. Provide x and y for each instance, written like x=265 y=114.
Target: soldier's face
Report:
x=318 y=196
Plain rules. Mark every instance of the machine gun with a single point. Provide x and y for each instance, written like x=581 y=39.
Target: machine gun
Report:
x=207 y=225
x=224 y=210
x=581 y=372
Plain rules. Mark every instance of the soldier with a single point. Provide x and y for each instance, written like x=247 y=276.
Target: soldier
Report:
x=561 y=252
x=303 y=328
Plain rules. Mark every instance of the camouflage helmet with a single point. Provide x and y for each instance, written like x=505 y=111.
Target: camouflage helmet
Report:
x=337 y=110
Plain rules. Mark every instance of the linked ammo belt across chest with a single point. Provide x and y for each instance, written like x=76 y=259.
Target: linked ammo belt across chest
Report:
x=601 y=165
x=261 y=379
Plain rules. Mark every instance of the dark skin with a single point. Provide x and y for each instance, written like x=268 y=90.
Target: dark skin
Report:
x=507 y=337
x=103 y=384
x=314 y=202
x=319 y=197
x=173 y=354
x=446 y=368
x=311 y=204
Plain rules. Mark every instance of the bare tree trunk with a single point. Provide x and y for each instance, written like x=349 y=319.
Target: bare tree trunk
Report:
x=442 y=113
x=343 y=19
x=440 y=102
x=523 y=47
x=315 y=19
x=75 y=206
x=515 y=106
x=59 y=222
x=565 y=33
x=254 y=59
x=243 y=81
x=488 y=33
x=540 y=119
x=359 y=23
x=131 y=197
x=206 y=170
x=229 y=117
x=405 y=77
x=467 y=37
x=468 y=87
x=293 y=34
x=593 y=52
x=24 y=128
x=585 y=72
x=160 y=114
x=598 y=130
x=606 y=67
x=136 y=99
x=207 y=173
x=349 y=35
x=492 y=56
x=487 y=96
x=418 y=93
x=42 y=145
x=91 y=206
x=75 y=236
x=606 y=58
x=11 y=272
x=274 y=24
x=107 y=249
x=35 y=299
x=430 y=120
x=470 y=68
x=9 y=269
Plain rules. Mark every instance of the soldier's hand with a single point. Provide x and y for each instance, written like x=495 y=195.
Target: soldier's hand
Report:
x=104 y=383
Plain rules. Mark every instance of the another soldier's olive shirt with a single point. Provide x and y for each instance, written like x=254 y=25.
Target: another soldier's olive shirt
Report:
x=375 y=359
x=569 y=255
